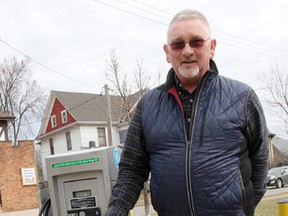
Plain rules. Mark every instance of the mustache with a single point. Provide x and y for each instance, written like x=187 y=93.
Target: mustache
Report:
x=189 y=59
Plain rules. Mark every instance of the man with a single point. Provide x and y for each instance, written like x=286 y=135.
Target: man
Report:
x=202 y=136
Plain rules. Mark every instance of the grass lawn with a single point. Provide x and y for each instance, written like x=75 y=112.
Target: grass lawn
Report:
x=264 y=208
x=267 y=208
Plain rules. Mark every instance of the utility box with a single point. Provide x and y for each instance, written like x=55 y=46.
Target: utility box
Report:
x=80 y=182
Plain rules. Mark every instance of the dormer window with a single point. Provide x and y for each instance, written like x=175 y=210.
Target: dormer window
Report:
x=53 y=121
x=64 y=116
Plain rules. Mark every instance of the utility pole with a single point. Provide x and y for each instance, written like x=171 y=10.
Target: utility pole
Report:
x=271 y=149
x=109 y=116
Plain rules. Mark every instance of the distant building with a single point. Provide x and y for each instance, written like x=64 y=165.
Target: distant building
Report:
x=280 y=151
x=16 y=191
x=73 y=121
x=281 y=144
x=4 y=119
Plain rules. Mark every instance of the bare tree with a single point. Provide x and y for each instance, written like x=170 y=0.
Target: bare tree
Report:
x=159 y=76
x=118 y=80
x=142 y=80
x=20 y=96
x=277 y=88
x=121 y=87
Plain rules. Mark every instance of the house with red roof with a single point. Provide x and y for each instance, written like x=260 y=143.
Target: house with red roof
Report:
x=73 y=121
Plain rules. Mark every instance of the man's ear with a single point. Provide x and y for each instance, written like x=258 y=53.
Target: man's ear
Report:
x=166 y=50
x=212 y=48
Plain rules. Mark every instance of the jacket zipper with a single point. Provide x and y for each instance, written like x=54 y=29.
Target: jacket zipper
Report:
x=189 y=144
x=188 y=178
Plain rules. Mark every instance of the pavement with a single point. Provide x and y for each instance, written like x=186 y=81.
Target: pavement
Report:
x=29 y=212
x=137 y=211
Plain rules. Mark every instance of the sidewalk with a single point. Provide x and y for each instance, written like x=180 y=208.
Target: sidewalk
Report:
x=29 y=212
x=137 y=211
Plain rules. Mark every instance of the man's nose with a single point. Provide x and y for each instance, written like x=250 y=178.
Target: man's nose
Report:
x=187 y=50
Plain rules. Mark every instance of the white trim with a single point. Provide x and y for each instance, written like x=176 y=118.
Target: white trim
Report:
x=53 y=121
x=57 y=130
x=64 y=116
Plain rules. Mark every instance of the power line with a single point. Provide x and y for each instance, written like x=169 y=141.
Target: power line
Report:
x=247 y=40
x=253 y=51
x=153 y=7
x=46 y=67
x=253 y=46
x=217 y=30
x=141 y=9
x=129 y=12
x=280 y=3
x=235 y=36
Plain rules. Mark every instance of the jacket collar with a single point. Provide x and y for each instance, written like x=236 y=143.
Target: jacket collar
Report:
x=170 y=80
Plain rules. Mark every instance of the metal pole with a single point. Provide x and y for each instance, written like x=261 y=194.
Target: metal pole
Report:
x=283 y=207
x=131 y=213
x=109 y=116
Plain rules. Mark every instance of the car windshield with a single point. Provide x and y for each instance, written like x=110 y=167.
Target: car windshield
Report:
x=275 y=170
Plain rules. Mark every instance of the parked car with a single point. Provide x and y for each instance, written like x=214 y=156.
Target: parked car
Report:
x=277 y=176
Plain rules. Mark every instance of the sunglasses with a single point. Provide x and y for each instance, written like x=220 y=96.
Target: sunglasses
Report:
x=194 y=43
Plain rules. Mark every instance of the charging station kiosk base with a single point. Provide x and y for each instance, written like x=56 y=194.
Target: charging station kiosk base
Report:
x=80 y=183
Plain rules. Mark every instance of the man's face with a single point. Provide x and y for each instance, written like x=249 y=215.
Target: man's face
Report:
x=189 y=62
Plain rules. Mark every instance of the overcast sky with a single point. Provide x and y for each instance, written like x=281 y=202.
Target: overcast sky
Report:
x=69 y=40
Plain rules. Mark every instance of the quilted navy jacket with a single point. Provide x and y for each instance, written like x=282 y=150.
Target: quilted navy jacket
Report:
x=220 y=171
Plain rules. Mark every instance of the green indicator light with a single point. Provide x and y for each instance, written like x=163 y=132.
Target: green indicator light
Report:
x=77 y=162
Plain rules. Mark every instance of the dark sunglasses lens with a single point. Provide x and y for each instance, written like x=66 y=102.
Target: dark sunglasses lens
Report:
x=196 y=43
x=177 y=45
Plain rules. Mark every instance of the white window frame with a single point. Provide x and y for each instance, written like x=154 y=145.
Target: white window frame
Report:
x=53 y=121
x=68 y=141
x=103 y=136
x=64 y=116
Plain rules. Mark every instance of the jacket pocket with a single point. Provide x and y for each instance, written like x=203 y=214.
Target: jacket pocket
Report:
x=202 y=128
x=242 y=189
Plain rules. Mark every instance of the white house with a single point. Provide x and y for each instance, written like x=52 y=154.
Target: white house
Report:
x=74 y=121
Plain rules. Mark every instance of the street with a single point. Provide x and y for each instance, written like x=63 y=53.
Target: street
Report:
x=271 y=191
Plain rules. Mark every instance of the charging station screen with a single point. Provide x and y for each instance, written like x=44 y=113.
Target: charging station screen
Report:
x=84 y=193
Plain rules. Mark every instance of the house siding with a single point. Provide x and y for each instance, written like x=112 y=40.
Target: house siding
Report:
x=88 y=133
x=56 y=110
x=60 y=145
x=115 y=136
x=45 y=151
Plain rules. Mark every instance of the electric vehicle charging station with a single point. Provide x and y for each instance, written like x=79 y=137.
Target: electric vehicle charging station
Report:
x=80 y=182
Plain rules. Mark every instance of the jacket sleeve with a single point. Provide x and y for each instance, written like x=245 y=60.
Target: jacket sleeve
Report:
x=257 y=134
x=133 y=169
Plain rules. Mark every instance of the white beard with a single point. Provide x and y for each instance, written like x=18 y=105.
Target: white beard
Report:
x=189 y=73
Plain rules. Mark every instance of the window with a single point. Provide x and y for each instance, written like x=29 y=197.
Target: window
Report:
x=51 y=146
x=64 y=116
x=53 y=121
x=101 y=136
x=122 y=135
x=68 y=141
